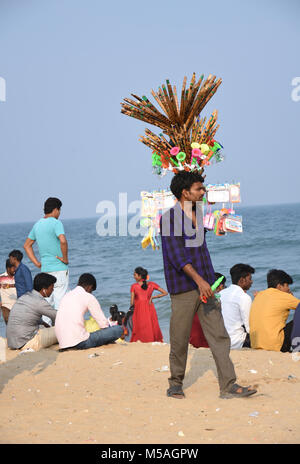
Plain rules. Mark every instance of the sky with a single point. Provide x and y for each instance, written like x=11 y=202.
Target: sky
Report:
x=68 y=64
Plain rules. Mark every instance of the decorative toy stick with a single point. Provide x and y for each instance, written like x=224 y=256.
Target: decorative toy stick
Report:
x=214 y=287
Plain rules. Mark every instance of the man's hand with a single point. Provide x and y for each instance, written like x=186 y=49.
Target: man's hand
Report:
x=30 y=253
x=203 y=286
x=204 y=289
x=63 y=260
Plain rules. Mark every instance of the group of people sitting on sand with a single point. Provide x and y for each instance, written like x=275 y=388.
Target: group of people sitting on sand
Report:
x=25 y=315
x=33 y=323
x=260 y=323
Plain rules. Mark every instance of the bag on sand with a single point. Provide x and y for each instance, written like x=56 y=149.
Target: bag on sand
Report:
x=91 y=325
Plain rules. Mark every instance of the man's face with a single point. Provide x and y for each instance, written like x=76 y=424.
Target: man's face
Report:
x=13 y=261
x=48 y=291
x=196 y=192
x=11 y=270
x=284 y=288
x=56 y=213
x=246 y=282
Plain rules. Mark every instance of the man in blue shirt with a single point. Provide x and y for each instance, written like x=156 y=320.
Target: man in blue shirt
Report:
x=23 y=278
x=49 y=234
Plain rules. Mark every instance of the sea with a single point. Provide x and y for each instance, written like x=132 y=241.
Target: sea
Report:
x=270 y=239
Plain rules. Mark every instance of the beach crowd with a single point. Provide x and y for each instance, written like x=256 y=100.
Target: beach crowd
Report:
x=43 y=311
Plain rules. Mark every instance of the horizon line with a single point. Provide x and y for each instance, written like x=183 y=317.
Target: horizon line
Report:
x=132 y=214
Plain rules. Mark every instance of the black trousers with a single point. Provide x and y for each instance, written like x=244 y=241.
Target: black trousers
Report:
x=247 y=343
x=287 y=342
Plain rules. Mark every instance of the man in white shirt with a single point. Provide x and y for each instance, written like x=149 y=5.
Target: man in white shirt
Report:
x=236 y=304
x=69 y=323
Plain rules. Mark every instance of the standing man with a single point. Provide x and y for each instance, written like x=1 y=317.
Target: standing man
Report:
x=189 y=274
x=236 y=304
x=49 y=234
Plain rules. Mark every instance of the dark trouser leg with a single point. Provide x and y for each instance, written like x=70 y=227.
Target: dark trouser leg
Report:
x=101 y=337
x=287 y=337
x=212 y=323
x=184 y=306
x=247 y=342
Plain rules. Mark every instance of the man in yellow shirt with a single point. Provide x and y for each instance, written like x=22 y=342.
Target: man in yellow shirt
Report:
x=269 y=312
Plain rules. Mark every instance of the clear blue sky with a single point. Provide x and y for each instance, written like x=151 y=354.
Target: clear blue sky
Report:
x=69 y=63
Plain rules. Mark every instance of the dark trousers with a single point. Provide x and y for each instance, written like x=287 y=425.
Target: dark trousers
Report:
x=184 y=307
x=287 y=342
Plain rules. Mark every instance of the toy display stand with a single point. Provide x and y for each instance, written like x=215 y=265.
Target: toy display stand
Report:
x=153 y=205
x=223 y=220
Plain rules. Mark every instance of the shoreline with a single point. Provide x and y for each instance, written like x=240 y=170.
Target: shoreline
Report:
x=119 y=397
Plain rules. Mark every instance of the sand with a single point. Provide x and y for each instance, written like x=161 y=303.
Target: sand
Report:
x=119 y=396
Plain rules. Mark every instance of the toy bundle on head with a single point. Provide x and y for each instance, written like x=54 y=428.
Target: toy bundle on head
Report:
x=191 y=145
x=186 y=143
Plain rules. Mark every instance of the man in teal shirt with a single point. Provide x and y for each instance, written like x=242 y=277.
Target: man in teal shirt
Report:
x=49 y=234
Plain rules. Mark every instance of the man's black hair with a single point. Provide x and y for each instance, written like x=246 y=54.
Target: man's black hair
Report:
x=50 y=204
x=87 y=279
x=240 y=270
x=43 y=280
x=16 y=254
x=8 y=264
x=183 y=181
x=277 y=276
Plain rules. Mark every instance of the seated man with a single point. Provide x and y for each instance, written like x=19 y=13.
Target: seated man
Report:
x=23 y=278
x=269 y=312
x=26 y=316
x=236 y=304
x=69 y=325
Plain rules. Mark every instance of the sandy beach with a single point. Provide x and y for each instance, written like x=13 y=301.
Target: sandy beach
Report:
x=116 y=394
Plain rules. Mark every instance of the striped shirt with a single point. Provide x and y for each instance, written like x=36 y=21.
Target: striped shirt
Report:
x=175 y=237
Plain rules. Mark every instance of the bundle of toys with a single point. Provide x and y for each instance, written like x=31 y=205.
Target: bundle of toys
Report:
x=190 y=144
x=153 y=205
x=187 y=142
x=222 y=220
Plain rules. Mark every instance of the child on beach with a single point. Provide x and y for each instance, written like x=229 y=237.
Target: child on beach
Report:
x=144 y=320
x=23 y=278
x=116 y=316
x=8 y=292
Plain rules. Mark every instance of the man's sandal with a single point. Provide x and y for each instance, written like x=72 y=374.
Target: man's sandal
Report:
x=236 y=391
x=176 y=392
